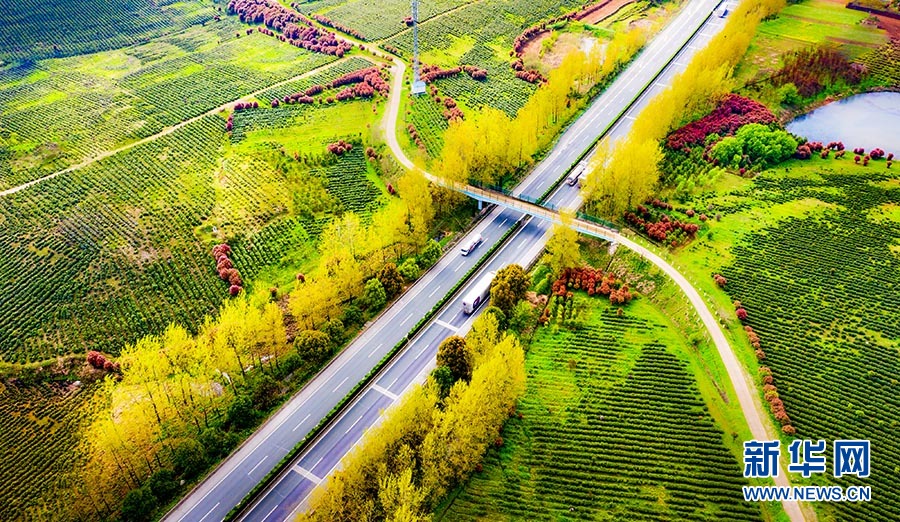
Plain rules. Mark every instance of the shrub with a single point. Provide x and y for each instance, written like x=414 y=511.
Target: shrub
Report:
x=430 y=254
x=374 y=297
x=409 y=269
x=352 y=316
x=162 y=484
x=454 y=354
x=188 y=457
x=334 y=329
x=741 y=314
x=265 y=390
x=313 y=345
x=138 y=505
x=241 y=413
x=733 y=112
x=391 y=280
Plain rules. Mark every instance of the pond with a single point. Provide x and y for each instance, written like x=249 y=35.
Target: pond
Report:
x=865 y=120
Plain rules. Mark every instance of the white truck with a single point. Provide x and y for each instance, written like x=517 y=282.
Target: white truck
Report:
x=575 y=175
x=478 y=294
x=471 y=244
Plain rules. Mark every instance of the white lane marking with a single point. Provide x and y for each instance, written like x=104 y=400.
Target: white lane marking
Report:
x=257 y=465
x=301 y=422
x=336 y=388
x=446 y=325
x=438 y=287
x=354 y=424
x=208 y=512
x=308 y=474
x=407 y=319
x=455 y=270
x=385 y=392
x=391 y=385
x=375 y=350
x=270 y=513
x=421 y=353
x=503 y=222
x=522 y=244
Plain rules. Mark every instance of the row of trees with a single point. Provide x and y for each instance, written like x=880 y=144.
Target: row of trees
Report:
x=434 y=438
x=488 y=144
x=626 y=174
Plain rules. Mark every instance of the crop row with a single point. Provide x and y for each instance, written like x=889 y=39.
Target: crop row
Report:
x=821 y=292
x=611 y=425
x=38 y=425
x=379 y=20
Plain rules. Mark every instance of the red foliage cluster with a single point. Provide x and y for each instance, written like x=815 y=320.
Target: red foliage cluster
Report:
x=811 y=69
x=476 y=73
x=775 y=403
x=659 y=230
x=414 y=135
x=297 y=98
x=99 y=361
x=225 y=267
x=522 y=40
x=531 y=76
x=339 y=147
x=391 y=49
x=371 y=154
x=733 y=112
x=594 y=282
x=327 y=22
x=316 y=40
x=371 y=77
x=408 y=21
x=720 y=280
x=741 y=314
x=754 y=342
x=270 y=13
x=314 y=90
x=662 y=205
x=431 y=73
x=242 y=106
x=835 y=145
x=876 y=153
x=803 y=152
x=391 y=190
x=229 y=124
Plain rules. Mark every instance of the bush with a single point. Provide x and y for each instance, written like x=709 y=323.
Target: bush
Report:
x=454 y=354
x=188 y=457
x=162 y=484
x=138 y=505
x=509 y=287
x=789 y=95
x=374 y=297
x=443 y=376
x=502 y=321
x=217 y=443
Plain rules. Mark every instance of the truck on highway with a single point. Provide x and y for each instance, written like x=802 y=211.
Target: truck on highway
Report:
x=471 y=244
x=478 y=294
x=575 y=175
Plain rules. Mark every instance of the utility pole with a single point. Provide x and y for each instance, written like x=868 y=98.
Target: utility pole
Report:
x=418 y=86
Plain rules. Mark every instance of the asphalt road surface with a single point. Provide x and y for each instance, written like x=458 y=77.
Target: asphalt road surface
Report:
x=234 y=479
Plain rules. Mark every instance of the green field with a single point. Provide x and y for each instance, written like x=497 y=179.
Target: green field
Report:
x=32 y=29
x=40 y=431
x=805 y=24
x=376 y=19
x=61 y=111
x=811 y=251
x=613 y=427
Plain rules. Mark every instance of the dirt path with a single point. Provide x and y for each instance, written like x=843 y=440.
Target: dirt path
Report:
x=167 y=130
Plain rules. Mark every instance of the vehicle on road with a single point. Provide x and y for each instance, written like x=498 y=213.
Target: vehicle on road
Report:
x=575 y=176
x=724 y=13
x=479 y=293
x=471 y=245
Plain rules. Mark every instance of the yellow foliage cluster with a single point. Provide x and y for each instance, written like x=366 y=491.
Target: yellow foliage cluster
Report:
x=424 y=446
x=172 y=385
x=351 y=252
x=488 y=144
x=626 y=175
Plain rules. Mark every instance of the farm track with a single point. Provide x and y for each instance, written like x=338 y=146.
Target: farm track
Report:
x=173 y=128
x=748 y=395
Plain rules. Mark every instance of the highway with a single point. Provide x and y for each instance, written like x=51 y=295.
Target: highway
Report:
x=235 y=477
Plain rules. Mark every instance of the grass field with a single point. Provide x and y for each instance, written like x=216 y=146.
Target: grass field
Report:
x=614 y=427
x=59 y=112
x=810 y=250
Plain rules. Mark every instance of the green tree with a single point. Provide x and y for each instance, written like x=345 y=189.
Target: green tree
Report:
x=789 y=95
x=443 y=377
x=728 y=151
x=188 y=457
x=499 y=315
x=391 y=280
x=162 y=484
x=313 y=345
x=241 y=413
x=454 y=354
x=265 y=390
x=374 y=297
x=216 y=442
x=334 y=329
x=509 y=287
x=430 y=254
x=138 y=505
x=409 y=269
